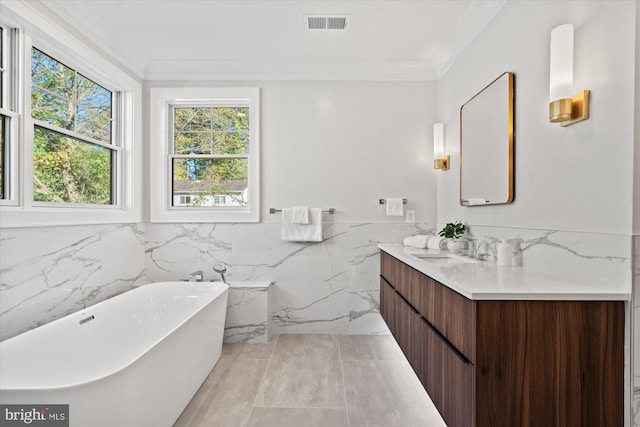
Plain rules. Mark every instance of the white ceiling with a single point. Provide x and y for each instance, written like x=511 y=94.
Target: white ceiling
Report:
x=267 y=39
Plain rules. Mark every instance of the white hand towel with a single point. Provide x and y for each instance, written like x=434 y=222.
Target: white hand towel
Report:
x=395 y=207
x=300 y=214
x=420 y=241
x=477 y=201
x=311 y=232
x=434 y=242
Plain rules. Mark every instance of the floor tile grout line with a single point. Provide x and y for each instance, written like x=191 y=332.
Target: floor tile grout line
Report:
x=344 y=383
x=264 y=374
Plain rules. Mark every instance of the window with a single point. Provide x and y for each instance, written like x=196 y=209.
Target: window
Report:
x=73 y=154
x=210 y=155
x=8 y=118
x=205 y=154
x=70 y=128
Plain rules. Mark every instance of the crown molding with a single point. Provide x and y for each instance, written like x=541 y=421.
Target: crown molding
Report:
x=290 y=69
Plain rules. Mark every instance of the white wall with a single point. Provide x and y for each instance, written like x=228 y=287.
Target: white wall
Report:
x=345 y=145
x=577 y=178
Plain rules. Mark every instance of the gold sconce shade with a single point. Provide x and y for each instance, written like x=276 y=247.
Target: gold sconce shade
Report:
x=568 y=111
x=560 y=110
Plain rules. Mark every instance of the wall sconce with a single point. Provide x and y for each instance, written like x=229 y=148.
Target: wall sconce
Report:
x=440 y=160
x=564 y=107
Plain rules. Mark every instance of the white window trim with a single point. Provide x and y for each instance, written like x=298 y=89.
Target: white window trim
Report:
x=40 y=31
x=11 y=51
x=161 y=100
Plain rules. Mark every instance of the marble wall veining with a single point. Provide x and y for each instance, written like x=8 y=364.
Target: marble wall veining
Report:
x=248 y=313
x=49 y=272
x=589 y=257
x=327 y=287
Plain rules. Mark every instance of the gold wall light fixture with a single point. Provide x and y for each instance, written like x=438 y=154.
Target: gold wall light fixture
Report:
x=564 y=107
x=440 y=160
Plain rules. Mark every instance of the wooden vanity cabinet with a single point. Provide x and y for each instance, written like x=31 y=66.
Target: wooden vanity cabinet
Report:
x=515 y=363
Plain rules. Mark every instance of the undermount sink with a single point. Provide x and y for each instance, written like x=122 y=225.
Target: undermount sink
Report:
x=445 y=258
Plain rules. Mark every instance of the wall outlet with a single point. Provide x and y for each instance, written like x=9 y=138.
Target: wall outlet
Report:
x=411 y=217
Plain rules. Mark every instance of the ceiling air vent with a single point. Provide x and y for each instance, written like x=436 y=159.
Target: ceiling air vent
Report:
x=325 y=22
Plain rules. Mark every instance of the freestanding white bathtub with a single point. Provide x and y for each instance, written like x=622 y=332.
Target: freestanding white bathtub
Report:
x=132 y=360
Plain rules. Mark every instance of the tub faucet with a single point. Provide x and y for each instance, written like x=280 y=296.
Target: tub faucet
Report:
x=198 y=275
x=220 y=269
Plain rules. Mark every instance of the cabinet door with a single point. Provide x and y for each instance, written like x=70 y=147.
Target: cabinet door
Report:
x=448 y=378
x=550 y=364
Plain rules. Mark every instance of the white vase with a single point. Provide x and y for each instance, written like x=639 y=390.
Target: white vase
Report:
x=457 y=245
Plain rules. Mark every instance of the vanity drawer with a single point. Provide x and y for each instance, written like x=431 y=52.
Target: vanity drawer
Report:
x=453 y=315
x=446 y=375
x=399 y=275
x=449 y=312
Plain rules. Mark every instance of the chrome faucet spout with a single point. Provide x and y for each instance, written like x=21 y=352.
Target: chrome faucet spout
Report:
x=475 y=250
x=198 y=276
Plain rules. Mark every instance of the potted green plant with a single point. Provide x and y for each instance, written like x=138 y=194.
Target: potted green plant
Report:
x=454 y=231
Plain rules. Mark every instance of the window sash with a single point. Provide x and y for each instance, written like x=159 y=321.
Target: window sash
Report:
x=114 y=145
x=173 y=156
x=75 y=135
x=8 y=111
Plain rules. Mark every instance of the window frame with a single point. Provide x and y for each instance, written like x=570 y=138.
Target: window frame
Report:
x=162 y=102
x=35 y=29
x=9 y=110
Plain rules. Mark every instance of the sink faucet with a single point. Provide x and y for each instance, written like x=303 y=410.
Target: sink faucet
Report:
x=197 y=275
x=484 y=255
x=475 y=251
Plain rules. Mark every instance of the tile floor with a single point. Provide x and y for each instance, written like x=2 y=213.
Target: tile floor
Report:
x=312 y=380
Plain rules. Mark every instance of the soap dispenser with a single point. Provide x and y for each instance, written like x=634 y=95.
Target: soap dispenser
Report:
x=505 y=254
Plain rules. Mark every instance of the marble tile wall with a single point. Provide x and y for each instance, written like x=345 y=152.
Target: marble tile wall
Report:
x=328 y=287
x=248 y=313
x=590 y=257
x=49 y=272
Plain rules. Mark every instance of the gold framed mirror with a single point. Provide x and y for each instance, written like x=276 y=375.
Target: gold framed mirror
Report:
x=487 y=145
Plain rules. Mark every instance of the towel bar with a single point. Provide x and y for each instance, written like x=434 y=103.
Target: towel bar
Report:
x=383 y=201
x=274 y=210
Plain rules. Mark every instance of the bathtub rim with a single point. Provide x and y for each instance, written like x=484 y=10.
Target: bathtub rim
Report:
x=224 y=288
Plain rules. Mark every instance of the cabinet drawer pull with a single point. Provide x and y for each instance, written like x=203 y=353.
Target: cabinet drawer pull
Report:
x=387 y=282
x=444 y=339
x=408 y=303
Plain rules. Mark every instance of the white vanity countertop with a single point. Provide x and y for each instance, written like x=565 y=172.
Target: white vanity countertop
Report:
x=484 y=280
